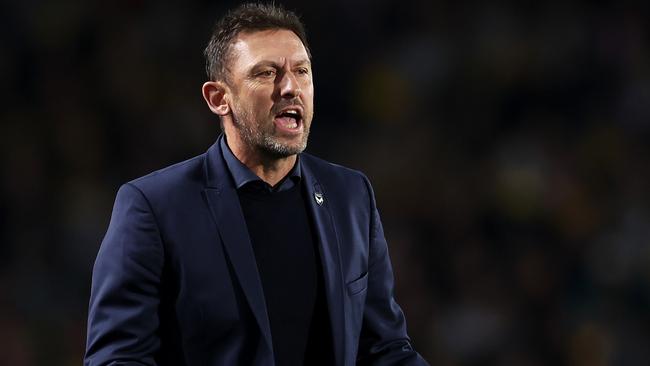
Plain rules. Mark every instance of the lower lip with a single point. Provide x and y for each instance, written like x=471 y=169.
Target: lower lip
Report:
x=289 y=131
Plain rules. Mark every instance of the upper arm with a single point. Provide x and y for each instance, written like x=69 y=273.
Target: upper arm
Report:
x=125 y=294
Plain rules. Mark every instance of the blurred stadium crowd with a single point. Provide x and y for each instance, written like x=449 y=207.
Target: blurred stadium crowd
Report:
x=508 y=146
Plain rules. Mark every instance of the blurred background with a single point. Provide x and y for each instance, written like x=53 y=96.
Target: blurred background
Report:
x=508 y=145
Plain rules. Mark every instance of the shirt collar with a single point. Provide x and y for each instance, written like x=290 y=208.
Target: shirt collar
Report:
x=242 y=175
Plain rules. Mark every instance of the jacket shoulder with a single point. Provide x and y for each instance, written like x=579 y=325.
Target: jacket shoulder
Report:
x=330 y=169
x=181 y=175
x=344 y=180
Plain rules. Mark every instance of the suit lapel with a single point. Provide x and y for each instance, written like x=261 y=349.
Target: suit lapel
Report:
x=223 y=201
x=330 y=258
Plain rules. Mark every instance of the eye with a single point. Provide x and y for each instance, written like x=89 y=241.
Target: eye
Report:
x=266 y=73
x=303 y=71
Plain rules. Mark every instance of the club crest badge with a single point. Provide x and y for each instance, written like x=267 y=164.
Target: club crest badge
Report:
x=319 y=198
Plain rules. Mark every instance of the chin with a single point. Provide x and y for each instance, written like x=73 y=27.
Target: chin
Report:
x=277 y=149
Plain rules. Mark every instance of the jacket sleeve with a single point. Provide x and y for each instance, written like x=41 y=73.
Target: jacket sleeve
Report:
x=123 y=311
x=383 y=340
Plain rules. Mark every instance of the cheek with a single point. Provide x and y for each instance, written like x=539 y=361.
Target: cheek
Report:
x=307 y=85
x=308 y=90
x=262 y=101
x=249 y=105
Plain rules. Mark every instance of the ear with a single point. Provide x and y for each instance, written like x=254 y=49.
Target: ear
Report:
x=214 y=93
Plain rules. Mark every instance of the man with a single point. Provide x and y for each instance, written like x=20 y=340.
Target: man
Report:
x=253 y=253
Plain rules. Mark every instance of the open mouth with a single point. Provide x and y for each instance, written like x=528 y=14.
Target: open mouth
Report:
x=289 y=119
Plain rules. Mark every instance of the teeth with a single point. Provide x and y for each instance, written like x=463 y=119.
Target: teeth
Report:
x=293 y=125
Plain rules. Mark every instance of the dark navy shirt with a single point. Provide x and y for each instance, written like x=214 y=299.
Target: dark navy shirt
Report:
x=242 y=175
x=288 y=262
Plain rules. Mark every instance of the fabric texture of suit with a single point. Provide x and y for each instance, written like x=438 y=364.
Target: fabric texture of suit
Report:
x=175 y=281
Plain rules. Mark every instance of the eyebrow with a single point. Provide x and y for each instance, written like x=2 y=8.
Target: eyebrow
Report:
x=277 y=65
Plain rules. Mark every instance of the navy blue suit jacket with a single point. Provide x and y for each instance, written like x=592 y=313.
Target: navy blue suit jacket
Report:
x=176 y=282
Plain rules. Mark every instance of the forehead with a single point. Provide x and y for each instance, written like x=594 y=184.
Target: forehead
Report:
x=277 y=45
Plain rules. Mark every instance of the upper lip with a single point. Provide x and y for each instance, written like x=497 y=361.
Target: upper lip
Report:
x=292 y=108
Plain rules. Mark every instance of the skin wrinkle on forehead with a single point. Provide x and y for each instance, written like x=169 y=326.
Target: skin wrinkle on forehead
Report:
x=241 y=49
x=235 y=49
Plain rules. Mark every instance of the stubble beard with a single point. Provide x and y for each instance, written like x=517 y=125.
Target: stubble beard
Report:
x=260 y=136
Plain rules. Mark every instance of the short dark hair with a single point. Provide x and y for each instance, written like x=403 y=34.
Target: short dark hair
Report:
x=247 y=17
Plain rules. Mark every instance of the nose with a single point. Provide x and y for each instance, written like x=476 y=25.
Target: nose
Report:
x=289 y=87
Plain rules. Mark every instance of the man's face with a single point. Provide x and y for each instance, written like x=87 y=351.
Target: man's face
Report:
x=270 y=80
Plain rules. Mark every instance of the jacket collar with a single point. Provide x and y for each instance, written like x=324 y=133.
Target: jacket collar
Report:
x=242 y=175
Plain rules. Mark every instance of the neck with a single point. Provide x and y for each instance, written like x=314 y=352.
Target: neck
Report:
x=269 y=168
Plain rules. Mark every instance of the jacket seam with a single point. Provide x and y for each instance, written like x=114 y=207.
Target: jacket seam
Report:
x=153 y=214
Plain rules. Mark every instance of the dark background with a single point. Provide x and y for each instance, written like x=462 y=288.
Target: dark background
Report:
x=507 y=144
